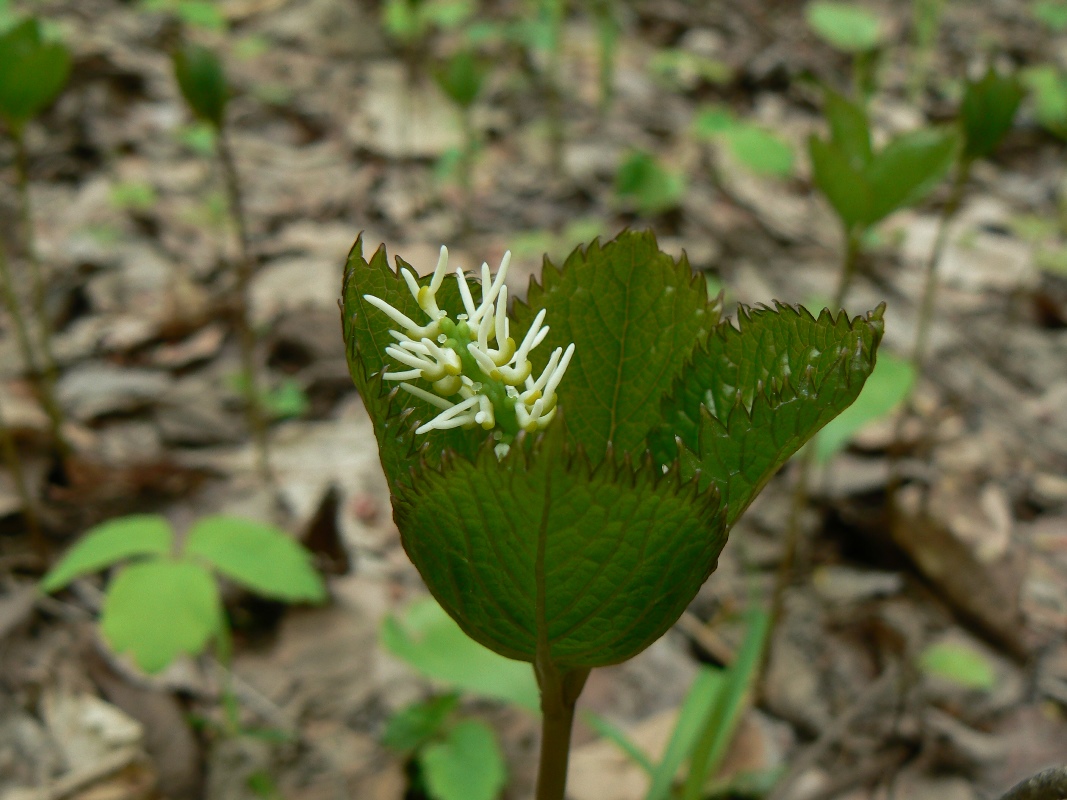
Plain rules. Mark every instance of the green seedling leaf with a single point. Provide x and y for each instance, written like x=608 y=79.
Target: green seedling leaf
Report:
x=697 y=706
x=841 y=183
x=462 y=78
x=203 y=83
x=540 y=556
x=1052 y=14
x=431 y=642
x=201 y=14
x=960 y=664
x=412 y=727
x=133 y=195
x=845 y=26
x=713 y=121
x=753 y=395
x=467 y=765
x=157 y=610
x=648 y=185
x=987 y=113
x=1049 y=89
x=134 y=536
x=730 y=703
x=850 y=130
x=199 y=137
x=760 y=151
x=685 y=70
x=257 y=556
x=287 y=401
x=908 y=169
x=887 y=387
x=635 y=316
x=32 y=73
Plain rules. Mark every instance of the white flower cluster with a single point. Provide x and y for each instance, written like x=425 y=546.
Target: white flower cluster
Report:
x=477 y=373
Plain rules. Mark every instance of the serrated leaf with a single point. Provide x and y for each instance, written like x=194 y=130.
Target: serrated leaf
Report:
x=635 y=316
x=846 y=26
x=843 y=186
x=960 y=664
x=257 y=556
x=467 y=765
x=908 y=169
x=884 y=391
x=540 y=556
x=32 y=72
x=411 y=727
x=160 y=609
x=431 y=642
x=109 y=543
x=987 y=112
x=366 y=334
x=850 y=130
x=753 y=395
x=203 y=83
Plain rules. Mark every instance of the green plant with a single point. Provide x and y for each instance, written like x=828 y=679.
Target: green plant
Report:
x=682 y=70
x=987 y=113
x=462 y=78
x=754 y=147
x=926 y=25
x=410 y=22
x=165 y=601
x=707 y=721
x=204 y=14
x=564 y=507
x=852 y=29
x=605 y=14
x=33 y=71
x=203 y=84
x=1052 y=13
x=865 y=186
x=646 y=185
x=449 y=757
x=959 y=663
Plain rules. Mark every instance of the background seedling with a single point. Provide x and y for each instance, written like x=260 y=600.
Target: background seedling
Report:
x=925 y=26
x=665 y=390
x=203 y=85
x=644 y=184
x=33 y=71
x=853 y=29
x=165 y=602
x=752 y=146
x=462 y=78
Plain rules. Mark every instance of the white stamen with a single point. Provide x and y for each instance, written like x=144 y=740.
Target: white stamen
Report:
x=429 y=397
x=465 y=293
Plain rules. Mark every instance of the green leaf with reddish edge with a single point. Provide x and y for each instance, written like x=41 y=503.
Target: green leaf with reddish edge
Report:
x=754 y=394
x=396 y=414
x=635 y=316
x=109 y=543
x=542 y=556
x=160 y=609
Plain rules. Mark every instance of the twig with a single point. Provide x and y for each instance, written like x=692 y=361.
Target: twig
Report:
x=1051 y=784
x=706 y=639
x=246 y=336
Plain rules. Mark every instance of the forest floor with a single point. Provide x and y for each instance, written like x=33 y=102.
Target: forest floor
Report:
x=332 y=139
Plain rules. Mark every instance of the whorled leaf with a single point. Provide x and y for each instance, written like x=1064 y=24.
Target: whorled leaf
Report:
x=634 y=315
x=543 y=557
x=754 y=394
x=137 y=535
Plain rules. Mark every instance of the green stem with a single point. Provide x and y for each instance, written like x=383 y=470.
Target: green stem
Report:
x=224 y=654
x=559 y=694
x=466 y=167
x=608 y=31
x=929 y=296
x=45 y=378
x=555 y=10
x=853 y=240
x=246 y=336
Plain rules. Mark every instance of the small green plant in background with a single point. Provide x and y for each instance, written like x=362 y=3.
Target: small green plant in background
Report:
x=1052 y=14
x=410 y=23
x=204 y=14
x=564 y=504
x=462 y=78
x=644 y=184
x=202 y=81
x=449 y=755
x=926 y=18
x=33 y=71
x=852 y=29
x=165 y=600
x=751 y=145
x=864 y=186
x=958 y=663
x=682 y=70
x=605 y=14
x=707 y=722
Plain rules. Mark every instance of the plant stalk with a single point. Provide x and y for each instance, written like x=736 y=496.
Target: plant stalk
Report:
x=929 y=296
x=553 y=91
x=246 y=336
x=44 y=377
x=466 y=168
x=849 y=262
x=559 y=694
